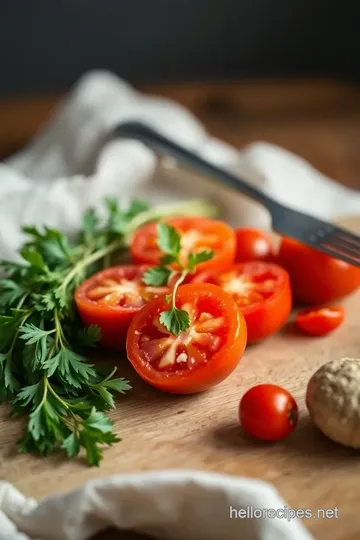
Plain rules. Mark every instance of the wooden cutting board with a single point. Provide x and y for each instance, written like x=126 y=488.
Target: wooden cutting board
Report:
x=161 y=431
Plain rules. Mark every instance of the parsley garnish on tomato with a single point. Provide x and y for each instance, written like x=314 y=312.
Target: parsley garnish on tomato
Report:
x=191 y=339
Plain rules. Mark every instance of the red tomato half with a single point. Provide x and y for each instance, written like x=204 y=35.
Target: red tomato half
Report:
x=268 y=412
x=316 y=278
x=111 y=298
x=196 y=359
x=252 y=245
x=197 y=234
x=319 y=322
x=262 y=293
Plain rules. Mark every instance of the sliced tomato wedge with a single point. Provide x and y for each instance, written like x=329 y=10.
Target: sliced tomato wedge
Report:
x=320 y=321
x=199 y=357
x=111 y=298
x=197 y=234
x=262 y=292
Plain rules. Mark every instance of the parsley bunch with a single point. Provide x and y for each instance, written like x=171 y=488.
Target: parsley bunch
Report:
x=43 y=370
x=169 y=241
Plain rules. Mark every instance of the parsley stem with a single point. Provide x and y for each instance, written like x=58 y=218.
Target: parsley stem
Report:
x=43 y=399
x=106 y=378
x=22 y=300
x=179 y=281
x=57 y=397
x=97 y=255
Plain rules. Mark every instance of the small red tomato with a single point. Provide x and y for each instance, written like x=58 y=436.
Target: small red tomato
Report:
x=321 y=321
x=268 y=412
x=252 y=244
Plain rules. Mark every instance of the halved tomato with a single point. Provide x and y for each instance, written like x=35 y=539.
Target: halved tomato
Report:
x=316 y=278
x=111 y=298
x=261 y=291
x=320 y=321
x=199 y=357
x=197 y=234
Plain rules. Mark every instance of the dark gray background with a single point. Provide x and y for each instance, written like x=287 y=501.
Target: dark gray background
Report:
x=47 y=44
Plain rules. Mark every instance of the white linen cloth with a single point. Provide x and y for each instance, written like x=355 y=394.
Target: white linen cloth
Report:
x=72 y=165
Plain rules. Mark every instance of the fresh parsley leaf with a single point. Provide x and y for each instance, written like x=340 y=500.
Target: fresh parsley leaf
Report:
x=94 y=452
x=175 y=320
x=157 y=276
x=196 y=258
x=105 y=395
x=136 y=207
x=31 y=231
x=10 y=292
x=119 y=385
x=27 y=394
x=167 y=259
x=72 y=368
x=90 y=221
x=90 y=336
x=34 y=258
x=54 y=247
x=168 y=239
x=98 y=421
x=36 y=426
x=32 y=334
x=71 y=445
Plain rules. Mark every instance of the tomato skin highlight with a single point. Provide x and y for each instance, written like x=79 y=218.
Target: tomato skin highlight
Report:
x=321 y=321
x=113 y=320
x=268 y=412
x=252 y=245
x=263 y=317
x=315 y=277
x=144 y=249
x=218 y=366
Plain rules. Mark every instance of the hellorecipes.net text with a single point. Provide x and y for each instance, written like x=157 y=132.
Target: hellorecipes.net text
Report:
x=251 y=512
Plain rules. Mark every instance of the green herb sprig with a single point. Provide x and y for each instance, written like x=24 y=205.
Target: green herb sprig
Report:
x=169 y=241
x=44 y=372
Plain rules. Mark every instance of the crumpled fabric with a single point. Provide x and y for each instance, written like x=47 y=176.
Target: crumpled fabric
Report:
x=171 y=505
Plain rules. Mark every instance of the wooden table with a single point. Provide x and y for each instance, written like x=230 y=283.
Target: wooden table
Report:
x=319 y=120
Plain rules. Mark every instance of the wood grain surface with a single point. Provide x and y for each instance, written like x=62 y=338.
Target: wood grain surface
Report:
x=320 y=121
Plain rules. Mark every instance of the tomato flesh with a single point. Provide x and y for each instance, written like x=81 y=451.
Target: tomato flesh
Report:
x=111 y=298
x=316 y=278
x=268 y=412
x=252 y=244
x=321 y=321
x=261 y=291
x=197 y=234
x=199 y=357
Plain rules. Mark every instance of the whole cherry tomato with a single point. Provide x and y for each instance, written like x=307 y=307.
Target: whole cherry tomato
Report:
x=252 y=245
x=268 y=412
x=199 y=357
x=262 y=292
x=321 y=321
x=197 y=234
x=111 y=298
x=315 y=277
